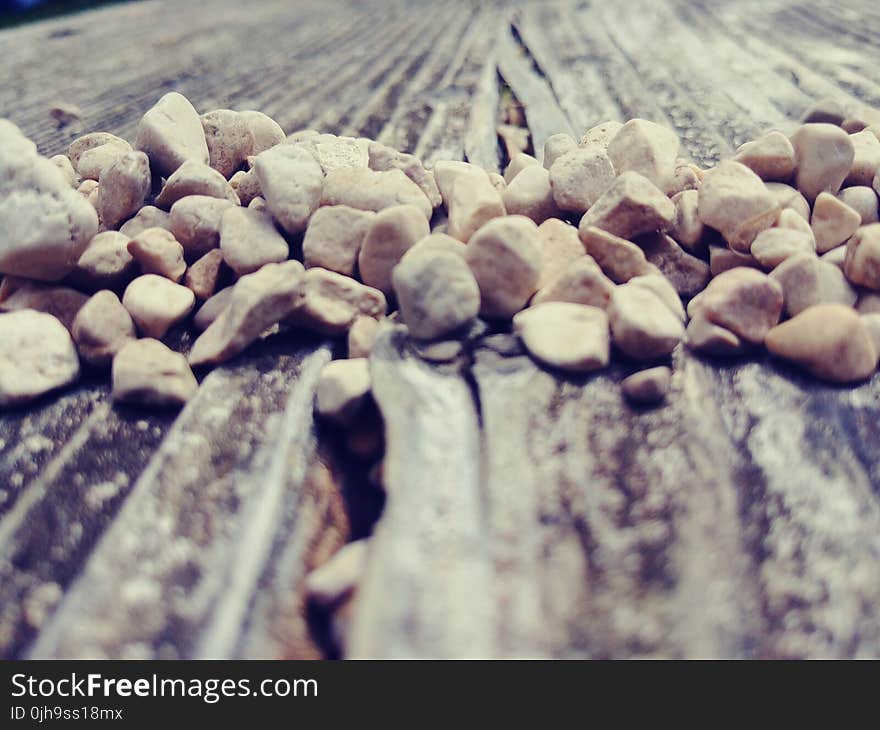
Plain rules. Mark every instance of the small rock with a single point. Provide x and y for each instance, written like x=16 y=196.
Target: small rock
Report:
x=37 y=356
x=291 y=181
x=660 y=286
x=833 y=222
x=825 y=111
x=102 y=328
x=436 y=292
x=642 y=326
x=836 y=257
x=687 y=176
x=329 y=302
x=866 y=158
x=505 y=257
x=619 y=259
x=195 y=178
x=90 y=189
x=735 y=202
x=384 y=158
x=156 y=304
x=792 y=220
x=789 y=198
x=687 y=228
x=581 y=177
x=337 y=153
x=147 y=217
x=392 y=233
x=531 y=195
x=647 y=387
x=807 y=281
x=229 y=140
x=862 y=263
x=258 y=301
x=265 y=131
x=146 y=372
x=601 y=134
x=212 y=309
x=158 y=252
x=62 y=162
x=556 y=146
x=61 y=302
x=334 y=237
x=342 y=389
x=449 y=172
x=632 y=205
x=517 y=164
x=93 y=153
x=824 y=155
x=745 y=301
x=687 y=274
x=249 y=240
x=246 y=185
x=863 y=200
x=861 y=117
x=571 y=337
x=560 y=246
x=171 y=133
x=336 y=580
x=65 y=113
x=770 y=157
x=646 y=148
x=203 y=275
x=581 y=282
x=366 y=189
x=723 y=259
x=473 y=202
x=125 y=187
x=195 y=222
x=362 y=336
x=105 y=264
x=828 y=340
x=704 y=336
x=774 y=245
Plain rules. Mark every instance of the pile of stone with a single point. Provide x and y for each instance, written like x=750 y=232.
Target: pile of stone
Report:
x=610 y=244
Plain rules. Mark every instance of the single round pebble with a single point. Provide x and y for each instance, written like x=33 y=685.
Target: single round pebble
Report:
x=571 y=337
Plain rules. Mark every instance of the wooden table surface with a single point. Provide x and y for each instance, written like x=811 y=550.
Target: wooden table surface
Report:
x=526 y=514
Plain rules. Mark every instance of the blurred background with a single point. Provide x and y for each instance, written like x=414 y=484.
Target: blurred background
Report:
x=15 y=12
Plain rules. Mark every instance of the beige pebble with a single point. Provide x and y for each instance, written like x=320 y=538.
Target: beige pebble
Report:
x=571 y=337
x=105 y=264
x=581 y=282
x=37 y=356
x=825 y=111
x=642 y=326
x=265 y=131
x=735 y=202
x=171 y=133
x=560 y=245
x=647 y=387
x=158 y=252
x=859 y=117
x=249 y=240
x=337 y=153
x=632 y=205
x=792 y=220
x=619 y=259
x=90 y=190
x=62 y=162
x=531 y=195
x=473 y=202
x=124 y=189
x=770 y=157
x=258 y=301
x=329 y=302
x=660 y=285
x=836 y=256
x=807 y=281
x=195 y=222
x=147 y=217
x=44 y=224
x=448 y=172
x=863 y=200
x=866 y=158
x=362 y=336
x=93 y=153
x=517 y=164
x=336 y=580
x=370 y=190
x=102 y=328
x=647 y=148
x=687 y=176
x=581 y=177
x=722 y=259
x=774 y=245
x=436 y=292
x=823 y=154
x=61 y=302
x=156 y=304
x=833 y=222
x=202 y=276
x=708 y=338
x=342 y=389
x=229 y=140
x=556 y=146
x=686 y=273
x=334 y=237
x=745 y=301
x=391 y=234
x=246 y=185
x=382 y=158
x=828 y=340
x=195 y=178
x=601 y=134
x=687 y=228
x=862 y=263
x=291 y=181
x=146 y=372
x=789 y=198
x=505 y=257
x=212 y=309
